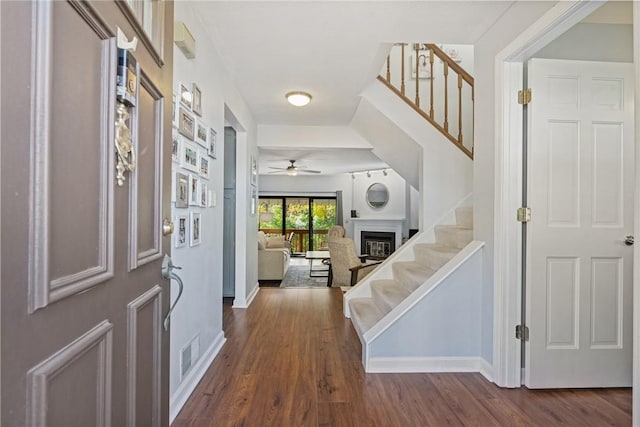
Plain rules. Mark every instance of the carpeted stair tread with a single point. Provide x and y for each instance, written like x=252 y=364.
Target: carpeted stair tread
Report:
x=411 y=274
x=364 y=314
x=464 y=217
x=434 y=255
x=453 y=235
x=387 y=294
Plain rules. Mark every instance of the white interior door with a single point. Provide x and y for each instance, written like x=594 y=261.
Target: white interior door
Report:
x=579 y=275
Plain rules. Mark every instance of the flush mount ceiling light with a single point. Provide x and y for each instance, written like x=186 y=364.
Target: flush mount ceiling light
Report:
x=299 y=99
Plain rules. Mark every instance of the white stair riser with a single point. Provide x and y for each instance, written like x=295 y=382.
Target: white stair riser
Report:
x=410 y=279
x=456 y=237
x=464 y=217
x=386 y=295
x=433 y=258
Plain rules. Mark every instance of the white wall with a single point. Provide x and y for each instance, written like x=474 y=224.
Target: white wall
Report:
x=592 y=42
x=353 y=192
x=199 y=312
x=517 y=17
x=445 y=172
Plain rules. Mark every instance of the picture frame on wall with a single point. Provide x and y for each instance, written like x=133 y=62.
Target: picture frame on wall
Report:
x=254 y=201
x=211 y=146
x=176 y=148
x=186 y=123
x=204 y=166
x=182 y=190
x=196 y=229
x=190 y=156
x=186 y=97
x=254 y=170
x=197 y=100
x=194 y=190
x=204 y=195
x=201 y=133
x=182 y=227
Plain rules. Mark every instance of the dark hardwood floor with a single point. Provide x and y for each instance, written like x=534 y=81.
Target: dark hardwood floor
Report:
x=292 y=359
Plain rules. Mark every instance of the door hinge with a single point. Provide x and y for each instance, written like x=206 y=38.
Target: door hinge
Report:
x=524 y=214
x=522 y=332
x=524 y=96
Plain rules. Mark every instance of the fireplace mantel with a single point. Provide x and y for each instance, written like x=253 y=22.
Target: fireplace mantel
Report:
x=393 y=225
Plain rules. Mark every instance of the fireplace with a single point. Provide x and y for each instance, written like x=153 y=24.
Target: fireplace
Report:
x=377 y=243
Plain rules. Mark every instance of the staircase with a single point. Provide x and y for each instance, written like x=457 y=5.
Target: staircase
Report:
x=422 y=313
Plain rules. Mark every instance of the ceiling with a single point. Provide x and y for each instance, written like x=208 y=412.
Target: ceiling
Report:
x=329 y=161
x=331 y=49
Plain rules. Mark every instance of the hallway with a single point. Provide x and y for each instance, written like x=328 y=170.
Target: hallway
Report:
x=292 y=359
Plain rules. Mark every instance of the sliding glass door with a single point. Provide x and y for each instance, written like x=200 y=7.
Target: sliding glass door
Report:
x=297 y=221
x=308 y=218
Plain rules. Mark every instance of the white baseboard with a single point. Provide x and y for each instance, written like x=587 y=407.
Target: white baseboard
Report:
x=428 y=364
x=237 y=303
x=253 y=294
x=179 y=398
x=486 y=369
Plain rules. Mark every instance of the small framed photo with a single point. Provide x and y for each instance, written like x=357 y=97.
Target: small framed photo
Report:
x=197 y=100
x=204 y=166
x=204 y=195
x=254 y=170
x=194 y=190
x=186 y=123
x=176 y=149
x=189 y=159
x=196 y=229
x=180 y=237
x=211 y=146
x=182 y=190
x=186 y=97
x=201 y=133
x=254 y=201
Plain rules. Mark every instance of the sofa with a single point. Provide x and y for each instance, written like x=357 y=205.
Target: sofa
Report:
x=273 y=256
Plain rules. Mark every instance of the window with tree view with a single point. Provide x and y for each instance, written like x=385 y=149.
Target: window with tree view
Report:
x=308 y=218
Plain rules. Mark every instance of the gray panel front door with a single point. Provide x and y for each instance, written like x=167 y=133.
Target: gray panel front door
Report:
x=82 y=294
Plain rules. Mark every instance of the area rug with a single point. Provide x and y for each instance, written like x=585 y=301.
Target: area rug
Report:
x=297 y=276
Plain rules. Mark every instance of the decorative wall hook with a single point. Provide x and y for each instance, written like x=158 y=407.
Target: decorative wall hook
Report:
x=124 y=43
x=124 y=145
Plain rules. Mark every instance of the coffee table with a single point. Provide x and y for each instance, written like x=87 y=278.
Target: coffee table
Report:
x=321 y=256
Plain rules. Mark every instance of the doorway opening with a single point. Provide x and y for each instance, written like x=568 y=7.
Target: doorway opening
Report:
x=509 y=173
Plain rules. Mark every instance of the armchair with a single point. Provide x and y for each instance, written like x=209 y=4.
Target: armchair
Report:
x=347 y=268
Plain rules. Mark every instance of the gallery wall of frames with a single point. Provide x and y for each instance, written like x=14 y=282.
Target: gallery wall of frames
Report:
x=193 y=152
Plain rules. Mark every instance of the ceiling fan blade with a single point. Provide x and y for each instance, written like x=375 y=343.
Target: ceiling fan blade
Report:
x=280 y=169
x=308 y=171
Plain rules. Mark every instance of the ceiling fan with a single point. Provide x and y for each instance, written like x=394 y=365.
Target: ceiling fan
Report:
x=293 y=170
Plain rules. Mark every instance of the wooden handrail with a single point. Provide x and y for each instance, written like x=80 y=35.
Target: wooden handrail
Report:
x=440 y=122
x=452 y=64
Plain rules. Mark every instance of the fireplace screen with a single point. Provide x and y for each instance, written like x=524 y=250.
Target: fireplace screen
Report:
x=377 y=243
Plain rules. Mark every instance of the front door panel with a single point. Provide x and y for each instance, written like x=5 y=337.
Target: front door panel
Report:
x=82 y=292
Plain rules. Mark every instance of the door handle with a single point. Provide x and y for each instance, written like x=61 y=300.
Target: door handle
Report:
x=167 y=228
x=167 y=273
x=629 y=240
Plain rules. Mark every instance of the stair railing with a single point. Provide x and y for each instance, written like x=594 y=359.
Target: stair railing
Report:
x=427 y=61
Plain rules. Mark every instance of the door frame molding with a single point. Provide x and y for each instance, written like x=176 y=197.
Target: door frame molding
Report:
x=508 y=181
x=635 y=404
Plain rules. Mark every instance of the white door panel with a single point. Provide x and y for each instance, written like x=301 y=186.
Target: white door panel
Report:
x=580 y=188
